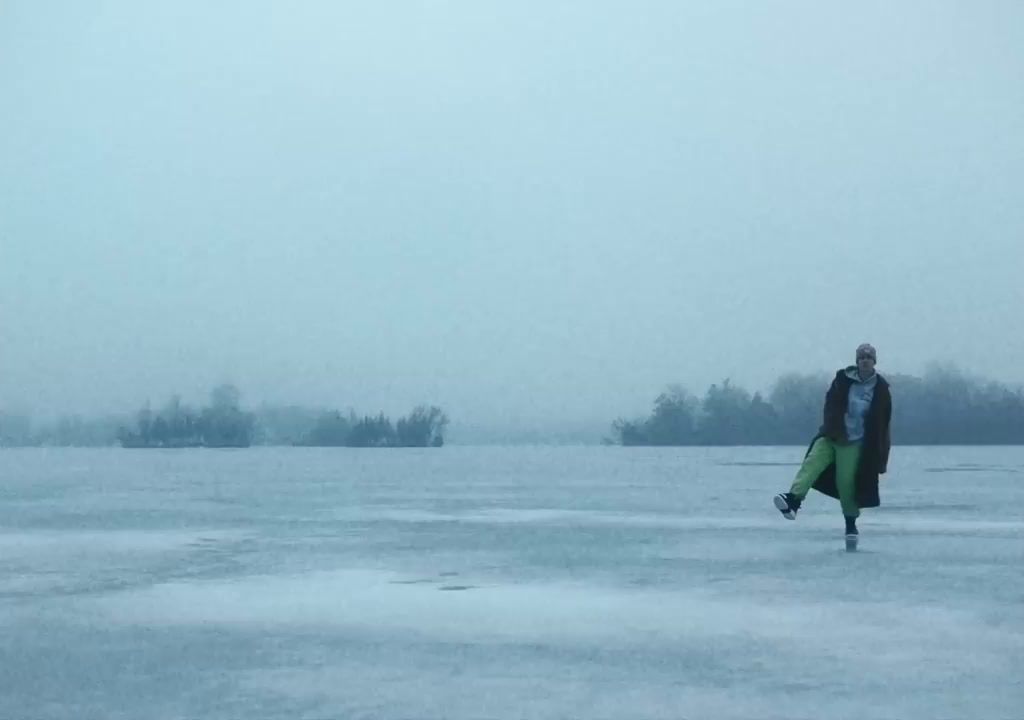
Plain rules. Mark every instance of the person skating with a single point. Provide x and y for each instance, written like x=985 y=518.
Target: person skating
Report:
x=852 y=446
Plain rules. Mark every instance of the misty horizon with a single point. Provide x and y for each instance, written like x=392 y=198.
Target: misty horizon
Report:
x=975 y=410
x=198 y=397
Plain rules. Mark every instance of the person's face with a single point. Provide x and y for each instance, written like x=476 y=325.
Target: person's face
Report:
x=865 y=361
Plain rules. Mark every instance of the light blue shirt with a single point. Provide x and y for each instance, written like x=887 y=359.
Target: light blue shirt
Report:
x=859 y=402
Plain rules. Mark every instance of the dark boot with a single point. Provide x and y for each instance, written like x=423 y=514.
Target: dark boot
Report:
x=851 y=533
x=787 y=504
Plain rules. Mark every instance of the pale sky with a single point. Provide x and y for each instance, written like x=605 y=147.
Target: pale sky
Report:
x=520 y=211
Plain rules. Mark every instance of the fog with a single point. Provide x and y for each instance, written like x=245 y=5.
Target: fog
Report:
x=525 y=213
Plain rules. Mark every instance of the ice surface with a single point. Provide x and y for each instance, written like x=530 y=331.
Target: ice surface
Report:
x=505 y=583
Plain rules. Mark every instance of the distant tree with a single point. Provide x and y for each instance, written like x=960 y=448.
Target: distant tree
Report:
x=182 y=424
x=798 y=401
x=372 y=432
x=174 y=426
x=160 y=432
x=145 y=422
x=946 y=406
x=630 y=432
x=223 y=423
x=724 y=415
x=423 y=427
x=674 y=419
x=762 y=423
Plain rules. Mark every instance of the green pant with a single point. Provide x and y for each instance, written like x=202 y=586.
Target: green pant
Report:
x=823 y=453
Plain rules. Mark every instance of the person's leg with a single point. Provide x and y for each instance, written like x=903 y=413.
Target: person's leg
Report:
x=822 y=454
x=847 y=458
x=820 y=457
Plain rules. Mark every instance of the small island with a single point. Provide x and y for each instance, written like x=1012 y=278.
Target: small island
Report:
x=224 y=424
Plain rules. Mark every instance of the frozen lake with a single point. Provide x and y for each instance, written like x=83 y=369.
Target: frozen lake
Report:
x=528 y=582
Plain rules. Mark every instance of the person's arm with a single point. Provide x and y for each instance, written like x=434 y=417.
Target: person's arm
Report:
x=832 y=419
x=883 y=463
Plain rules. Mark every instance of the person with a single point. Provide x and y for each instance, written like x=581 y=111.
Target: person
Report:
x=852 y=446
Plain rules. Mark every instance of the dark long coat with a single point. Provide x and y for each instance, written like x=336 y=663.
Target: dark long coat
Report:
x=874 y=456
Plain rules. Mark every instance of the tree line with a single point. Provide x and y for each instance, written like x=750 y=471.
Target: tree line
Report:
x=945 y=407
x=223 y=423
x=423 y=427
